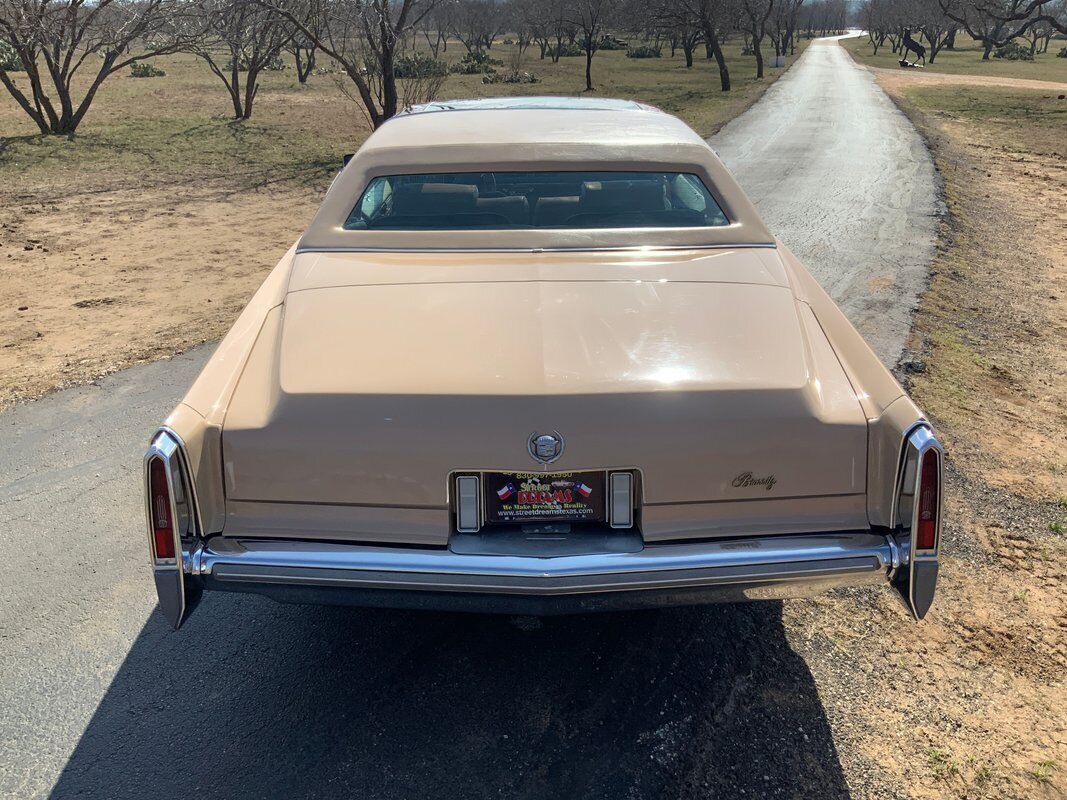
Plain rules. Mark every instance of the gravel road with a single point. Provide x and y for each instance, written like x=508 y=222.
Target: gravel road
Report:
x=255 y=699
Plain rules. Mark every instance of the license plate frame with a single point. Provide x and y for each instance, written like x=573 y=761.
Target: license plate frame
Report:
x=511 y=498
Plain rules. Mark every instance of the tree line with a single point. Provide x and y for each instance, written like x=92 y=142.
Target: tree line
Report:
x=65 y=49
x=993 y=23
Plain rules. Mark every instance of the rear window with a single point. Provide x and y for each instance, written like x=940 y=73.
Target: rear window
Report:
x=514 y=200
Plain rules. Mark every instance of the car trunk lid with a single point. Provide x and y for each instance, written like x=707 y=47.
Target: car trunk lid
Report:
x=372 y=394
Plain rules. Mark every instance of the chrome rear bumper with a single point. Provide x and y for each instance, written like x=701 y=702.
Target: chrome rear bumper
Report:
x=664 y=574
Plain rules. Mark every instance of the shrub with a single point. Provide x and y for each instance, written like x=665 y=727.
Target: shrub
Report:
x=420 y=65
x=142 y=69
x=9 y=59
x=566 y=50
x=515 y=76
x=1013 y=51
x=274 y=65
x=610 y=42
x=644 y=51
x=476 y=63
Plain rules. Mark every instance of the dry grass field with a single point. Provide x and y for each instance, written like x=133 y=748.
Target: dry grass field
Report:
x=146 y=232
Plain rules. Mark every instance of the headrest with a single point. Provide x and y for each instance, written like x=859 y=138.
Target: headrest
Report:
x=516 y=207
x=434 y=198
x=623 y=196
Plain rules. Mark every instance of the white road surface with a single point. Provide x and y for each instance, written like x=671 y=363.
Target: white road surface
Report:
x=843 y=179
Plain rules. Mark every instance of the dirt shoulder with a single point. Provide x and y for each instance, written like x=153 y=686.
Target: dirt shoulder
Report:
x=974 y=695
x=890 y=78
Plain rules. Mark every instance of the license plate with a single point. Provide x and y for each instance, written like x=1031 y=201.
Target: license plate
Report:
x=544 y=497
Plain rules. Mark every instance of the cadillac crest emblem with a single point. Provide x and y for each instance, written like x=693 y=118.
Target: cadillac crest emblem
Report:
x=545 y=447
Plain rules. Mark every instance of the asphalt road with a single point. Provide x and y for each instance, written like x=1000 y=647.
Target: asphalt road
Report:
x=253 y=699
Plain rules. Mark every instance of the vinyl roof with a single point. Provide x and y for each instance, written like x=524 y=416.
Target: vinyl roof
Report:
x=547 y=134
x=520 y=121
x=542 y=102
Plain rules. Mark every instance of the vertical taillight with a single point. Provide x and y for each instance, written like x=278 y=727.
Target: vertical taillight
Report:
x=928 y=500
x=162 y=520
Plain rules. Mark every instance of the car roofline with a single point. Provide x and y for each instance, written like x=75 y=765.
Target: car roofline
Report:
x=520 y=104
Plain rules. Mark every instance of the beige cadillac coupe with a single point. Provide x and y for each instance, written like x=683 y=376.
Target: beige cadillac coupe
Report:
x=540 y=356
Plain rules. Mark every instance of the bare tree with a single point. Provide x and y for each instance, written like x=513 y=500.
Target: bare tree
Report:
x=303 y=52
x=997 y=22
x=689 y=38
x=716 y=19
x=435 y=26
x=548 y=23
x=930 y=20
x=72 y=37
x=823 y=17
x=1041 y=33
x=754 y=16
x=249 y=35
x=678 y=19
x=364 y=37
x=590 y=17
x=784 y=25
x=477 y=23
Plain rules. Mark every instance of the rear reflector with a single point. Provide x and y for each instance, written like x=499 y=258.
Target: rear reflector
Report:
x=159 y=509
x=621 y=499
x=467 y=504
x=926 y=533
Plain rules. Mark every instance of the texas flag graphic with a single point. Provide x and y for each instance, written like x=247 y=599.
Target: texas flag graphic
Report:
x=506 y=491
x=583 y=489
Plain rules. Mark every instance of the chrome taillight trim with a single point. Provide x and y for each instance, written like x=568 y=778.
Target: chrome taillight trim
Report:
x=169 y=448
x=918 y=577
x=163 y=449
x=917 y=442
x=169 y=574
x=923 y=440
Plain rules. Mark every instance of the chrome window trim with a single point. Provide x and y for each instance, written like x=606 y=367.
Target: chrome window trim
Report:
x=574 y=249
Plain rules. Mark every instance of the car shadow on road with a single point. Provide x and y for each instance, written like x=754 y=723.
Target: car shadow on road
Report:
x=255 y=699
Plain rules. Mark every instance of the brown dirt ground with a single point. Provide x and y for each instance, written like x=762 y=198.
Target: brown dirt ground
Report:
x=889 y=78
x=93 y=284
x=974 y=696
